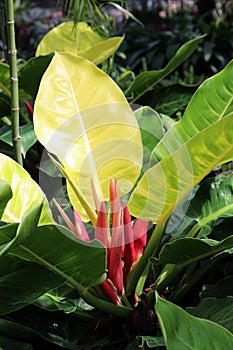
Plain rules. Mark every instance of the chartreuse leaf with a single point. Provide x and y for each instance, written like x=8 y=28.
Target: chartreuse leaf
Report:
x=168 y=182
x=5 y=195
x=211 y=102
x=26 y=193
x=184 y=251
x=83 y=118
x=80 y=40
x=146 y=80
x=183 y=331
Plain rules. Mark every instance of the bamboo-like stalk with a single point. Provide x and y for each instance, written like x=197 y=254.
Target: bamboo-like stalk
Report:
x=3 y=29
x=12 y=54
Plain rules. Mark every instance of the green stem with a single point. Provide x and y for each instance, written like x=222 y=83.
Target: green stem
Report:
x=151 y=250
x=3 y=29
x=12 y=52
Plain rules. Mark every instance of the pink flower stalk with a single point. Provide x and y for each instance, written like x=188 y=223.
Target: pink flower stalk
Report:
x=124 y=242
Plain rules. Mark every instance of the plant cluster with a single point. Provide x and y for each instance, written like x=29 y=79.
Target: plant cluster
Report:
x=116 y=233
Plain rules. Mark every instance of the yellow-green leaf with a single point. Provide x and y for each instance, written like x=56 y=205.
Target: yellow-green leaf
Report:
x=83 y=118
x=164 y=185
x=80 y=40
x=26 y=193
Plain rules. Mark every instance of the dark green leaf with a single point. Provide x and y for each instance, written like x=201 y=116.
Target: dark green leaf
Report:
x=183 y=331
x=221 y=289
x=217 y=310
x=28 y=137
x=147 y=80
x=187 y=250
x=54 y=247
x=170 y=99
x=10 y=344
x=23 y=282
x=31 y=73
x=150 y=341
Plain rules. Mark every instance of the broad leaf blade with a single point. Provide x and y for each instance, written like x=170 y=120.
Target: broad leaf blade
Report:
x=80 y=40
x=5 y=195
x=83 y=118
x=26 y=193
x=28 y=137
x=184 y=251
x=183 y=331
x=211 y=102
x=167 y=183
x=54 y=247
x=23 y=282
x=146 y=80
x=216 y=310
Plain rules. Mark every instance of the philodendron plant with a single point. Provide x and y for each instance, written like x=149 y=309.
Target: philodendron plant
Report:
x=144 y=234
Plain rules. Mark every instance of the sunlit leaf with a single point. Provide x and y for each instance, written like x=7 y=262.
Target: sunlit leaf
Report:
x=168 y=182
x=80 y=40
x=211 y=102
x=83 y=118
x=26 y=193
x=5 y=195
x=183 y=331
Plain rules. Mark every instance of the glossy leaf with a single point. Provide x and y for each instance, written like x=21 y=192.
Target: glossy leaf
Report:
x=57 y=249
x=211 y=102
x=83 y=118
x=168 y=182
x=146 y=80
x=216 y=310
x=5 y=195
x=35 y=66
x=23 y=282
x=187 y=250
x=183 y=331
x=26 y=193
x=80 y=40
x=28 y=137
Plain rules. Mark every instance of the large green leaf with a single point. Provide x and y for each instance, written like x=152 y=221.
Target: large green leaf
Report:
x=168 y=182
x=22 y=282
x=26 y=193
x=213 y=200
x=216 y=310
x=28 y=137
x=80 y=40
x=5 y=195
x=184 y=251
x=54 y=247
x=183 y=331
x=83 y=118
x=35 y=67
x=211 y=102
x=146 y=80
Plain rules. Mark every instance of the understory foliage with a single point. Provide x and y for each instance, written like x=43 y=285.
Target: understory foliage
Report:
x=117 y=231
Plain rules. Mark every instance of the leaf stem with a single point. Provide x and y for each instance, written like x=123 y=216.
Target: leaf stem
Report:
x=12 y=52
